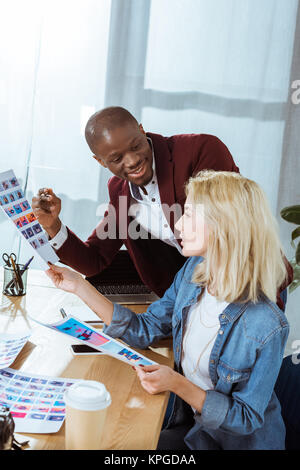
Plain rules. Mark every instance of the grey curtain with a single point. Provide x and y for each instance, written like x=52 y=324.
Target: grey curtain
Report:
x=289 y=185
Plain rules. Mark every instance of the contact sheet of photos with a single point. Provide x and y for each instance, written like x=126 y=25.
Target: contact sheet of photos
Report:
x=76 y=328
x=10 y=346
x=18 y=209
x=36 y=402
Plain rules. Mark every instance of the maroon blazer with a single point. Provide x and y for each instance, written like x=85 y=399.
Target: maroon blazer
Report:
x=177 y=158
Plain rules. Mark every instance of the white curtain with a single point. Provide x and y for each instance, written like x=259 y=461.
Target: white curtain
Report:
x=53 y=70
x=180 y=66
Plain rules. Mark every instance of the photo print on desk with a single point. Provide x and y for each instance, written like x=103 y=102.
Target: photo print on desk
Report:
x=76 y=328
x=33 y=407
x=10 y=346
x=19 y=211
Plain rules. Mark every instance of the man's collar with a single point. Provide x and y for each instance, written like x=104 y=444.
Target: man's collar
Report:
x=134 y=189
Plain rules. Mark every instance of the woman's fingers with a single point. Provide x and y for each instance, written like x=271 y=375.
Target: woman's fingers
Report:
x=55 y=277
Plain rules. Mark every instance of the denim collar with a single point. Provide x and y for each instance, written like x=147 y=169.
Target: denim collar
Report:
x=232 y=312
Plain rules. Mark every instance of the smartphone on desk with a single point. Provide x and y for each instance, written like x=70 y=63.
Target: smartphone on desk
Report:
x=83 y=350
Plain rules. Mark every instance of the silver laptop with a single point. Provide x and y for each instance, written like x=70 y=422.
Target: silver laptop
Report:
x=120 y=282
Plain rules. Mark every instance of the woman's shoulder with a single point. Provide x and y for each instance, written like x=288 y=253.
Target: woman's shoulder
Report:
x=262 y=319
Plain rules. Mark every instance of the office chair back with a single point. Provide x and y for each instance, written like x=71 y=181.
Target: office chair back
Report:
x=287 y=389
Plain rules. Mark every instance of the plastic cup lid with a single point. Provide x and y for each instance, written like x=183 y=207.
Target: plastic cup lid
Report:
x=87 y=395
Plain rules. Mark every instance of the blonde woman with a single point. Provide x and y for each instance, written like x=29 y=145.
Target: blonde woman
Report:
x=228 y=333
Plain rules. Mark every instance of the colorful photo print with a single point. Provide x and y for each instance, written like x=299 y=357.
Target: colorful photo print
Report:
x=34 y=244
x=29 y=232
x=25 y=205
x=14 y=182
x=10 y=212
x=30 y=393
x=59 y=403
x=42 y=241
x=3 y=403
x=6 y=373
x=57 y=410
x=47 y=395
x=32 y=386
x=31 y=217
x=50 y=389
x=40 y=408
x=26 y=400
x=6 y=185
x=45 y=402
x=4 y=200
x=55 y=418
x=8 y=397
x=36 y=416
x=24 y=234
x=135 y=358
x=17 y=384
x=17 y=414
x=37 y=380
x=13 y=390
x=76 y=329
x=18 y=194
x=11 y=197
x=19 y=407
x=17 y=208
x=19 y=223
x=37 y=228
x=24 y=378
x=56 y=383
x=3 y=382
x=24 y=220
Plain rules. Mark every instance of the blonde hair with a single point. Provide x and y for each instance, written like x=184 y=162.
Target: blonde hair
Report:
x=244 y=254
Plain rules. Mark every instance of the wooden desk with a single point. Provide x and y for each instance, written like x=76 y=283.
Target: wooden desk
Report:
x=134 y=418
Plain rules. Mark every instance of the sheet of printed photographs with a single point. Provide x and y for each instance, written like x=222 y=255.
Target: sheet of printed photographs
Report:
x=19 y=210
x=73 y=327
x=10 y=348
x=33 y=397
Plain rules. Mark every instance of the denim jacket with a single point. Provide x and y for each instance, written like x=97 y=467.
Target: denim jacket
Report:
x=242 y=410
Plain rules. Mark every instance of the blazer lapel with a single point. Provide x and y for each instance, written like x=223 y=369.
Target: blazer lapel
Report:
x=165 y=175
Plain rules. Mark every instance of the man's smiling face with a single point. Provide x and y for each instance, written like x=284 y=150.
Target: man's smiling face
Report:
x=126 y=152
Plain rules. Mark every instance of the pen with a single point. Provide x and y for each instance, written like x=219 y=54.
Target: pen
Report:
x=63 y=313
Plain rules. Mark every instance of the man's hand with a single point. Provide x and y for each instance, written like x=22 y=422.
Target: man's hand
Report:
x=46 y=207
x=157 y=378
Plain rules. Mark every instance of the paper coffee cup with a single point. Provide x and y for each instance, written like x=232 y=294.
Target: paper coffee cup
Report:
x=86 y=405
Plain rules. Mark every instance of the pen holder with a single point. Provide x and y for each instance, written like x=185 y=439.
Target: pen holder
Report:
x=14 y=284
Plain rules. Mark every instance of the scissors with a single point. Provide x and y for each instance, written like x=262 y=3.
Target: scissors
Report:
x=6 y=258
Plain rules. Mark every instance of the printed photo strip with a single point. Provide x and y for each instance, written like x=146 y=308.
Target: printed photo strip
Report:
x=77 y=329
x=18 y=209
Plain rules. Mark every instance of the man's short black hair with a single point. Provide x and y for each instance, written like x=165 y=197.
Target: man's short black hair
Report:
x=105 y=120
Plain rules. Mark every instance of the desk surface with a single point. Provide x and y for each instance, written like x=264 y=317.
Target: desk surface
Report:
x=134 y=418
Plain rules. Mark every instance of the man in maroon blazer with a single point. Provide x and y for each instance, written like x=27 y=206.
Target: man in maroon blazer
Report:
x=150 y=173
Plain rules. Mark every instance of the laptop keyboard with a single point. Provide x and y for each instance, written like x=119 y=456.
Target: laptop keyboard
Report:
x=124 y=289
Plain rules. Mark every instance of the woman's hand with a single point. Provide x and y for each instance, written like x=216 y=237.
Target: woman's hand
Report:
x=64 y=278
x=157 y=378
